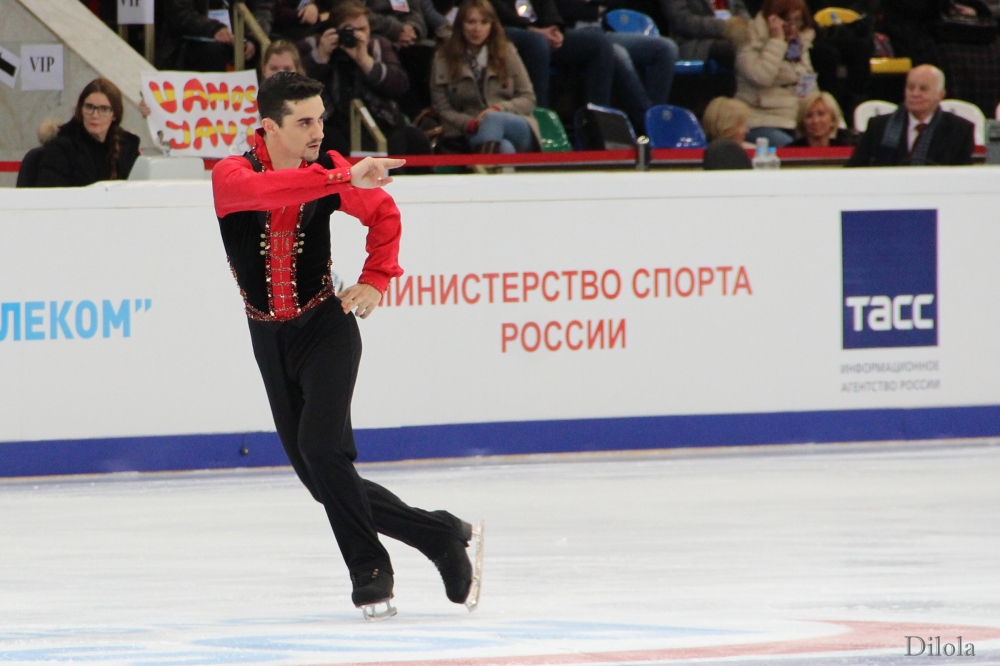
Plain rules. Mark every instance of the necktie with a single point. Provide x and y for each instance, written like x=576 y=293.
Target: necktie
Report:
x=920 y=134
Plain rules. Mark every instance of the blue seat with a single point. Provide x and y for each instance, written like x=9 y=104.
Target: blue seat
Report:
x=689 y=67
x=628 y=20
x=669 y=126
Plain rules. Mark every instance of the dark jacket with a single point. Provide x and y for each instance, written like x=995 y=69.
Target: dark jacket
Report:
x=843 y=138
x=548 y=14
x=380 y=90
x=387 y=22
x=74 y=158
x=177 y=19
x=694 y=27
x=952 y=144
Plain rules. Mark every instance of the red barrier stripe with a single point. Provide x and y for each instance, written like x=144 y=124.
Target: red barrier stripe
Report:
x=582 y=157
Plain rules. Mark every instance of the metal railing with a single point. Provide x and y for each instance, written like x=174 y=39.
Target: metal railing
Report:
x=243 y=18
x=360 y=116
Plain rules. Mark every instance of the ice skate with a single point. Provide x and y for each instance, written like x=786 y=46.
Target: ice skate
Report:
x=462 y=578
x=373 y=594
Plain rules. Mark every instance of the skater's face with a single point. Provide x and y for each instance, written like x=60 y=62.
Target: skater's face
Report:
x=300 y=132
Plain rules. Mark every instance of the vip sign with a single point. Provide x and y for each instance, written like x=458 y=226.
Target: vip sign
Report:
x=889 y=278
x=41 y=67
x=135 y=12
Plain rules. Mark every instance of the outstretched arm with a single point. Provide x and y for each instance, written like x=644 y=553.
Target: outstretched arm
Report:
x=237 y=187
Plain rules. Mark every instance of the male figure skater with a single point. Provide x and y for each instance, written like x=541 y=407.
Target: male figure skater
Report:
x=274 y=210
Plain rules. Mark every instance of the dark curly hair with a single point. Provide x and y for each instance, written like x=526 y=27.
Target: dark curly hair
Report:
x=283 y=87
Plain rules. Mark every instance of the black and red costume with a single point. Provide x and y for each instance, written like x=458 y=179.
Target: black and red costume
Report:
x=276 y=231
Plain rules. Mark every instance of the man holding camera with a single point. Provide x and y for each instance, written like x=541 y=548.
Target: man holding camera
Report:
x=353 y=64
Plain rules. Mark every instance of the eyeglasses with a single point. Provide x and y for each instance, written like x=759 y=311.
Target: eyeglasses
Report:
x=99 y=111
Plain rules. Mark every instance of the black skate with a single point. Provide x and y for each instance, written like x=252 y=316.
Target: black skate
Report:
x=371 y=591
x=462 y=579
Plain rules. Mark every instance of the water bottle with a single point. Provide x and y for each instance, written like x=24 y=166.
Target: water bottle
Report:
x=760 y=157
x=774 y=162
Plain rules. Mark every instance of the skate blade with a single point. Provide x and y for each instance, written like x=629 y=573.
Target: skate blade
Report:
x=472 y=603
x=380 y=610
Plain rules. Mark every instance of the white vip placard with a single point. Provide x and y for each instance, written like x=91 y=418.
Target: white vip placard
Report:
x=202 y=114
x=42 y=67
x=135 y=12
x=526 y=298
x=9 y=64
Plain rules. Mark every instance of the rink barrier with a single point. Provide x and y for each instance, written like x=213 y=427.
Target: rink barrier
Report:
x=458 y=441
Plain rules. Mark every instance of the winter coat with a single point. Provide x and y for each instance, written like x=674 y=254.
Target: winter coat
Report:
x=765 y=80
x=379 y=90
x=75 y=159
x=177 y=19
x=694 y=27
x=459 y=101
x=387 y=22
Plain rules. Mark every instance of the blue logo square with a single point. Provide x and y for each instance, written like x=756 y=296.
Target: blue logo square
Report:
x=890 y=278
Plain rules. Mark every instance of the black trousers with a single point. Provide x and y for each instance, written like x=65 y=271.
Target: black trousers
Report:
x=309 y=366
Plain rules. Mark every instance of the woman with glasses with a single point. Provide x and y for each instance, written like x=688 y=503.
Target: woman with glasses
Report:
x=92 y=146
x=773 y=70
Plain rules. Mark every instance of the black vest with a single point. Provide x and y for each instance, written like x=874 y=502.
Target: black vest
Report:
x=246 y=236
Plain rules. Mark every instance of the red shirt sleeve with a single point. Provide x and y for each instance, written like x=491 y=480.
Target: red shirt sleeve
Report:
x=377 y=211
x=237 y=187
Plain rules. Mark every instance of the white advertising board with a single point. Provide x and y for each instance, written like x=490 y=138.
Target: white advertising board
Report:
x=535 y=299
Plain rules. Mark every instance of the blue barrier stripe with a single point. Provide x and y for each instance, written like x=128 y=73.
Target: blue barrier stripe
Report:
x=262 y=449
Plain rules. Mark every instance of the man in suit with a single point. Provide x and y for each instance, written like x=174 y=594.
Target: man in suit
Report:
x=919 y=133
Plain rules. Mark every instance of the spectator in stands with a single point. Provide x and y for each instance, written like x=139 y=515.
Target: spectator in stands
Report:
x=280 y=56
x=820 y=121
x=919 y=133
x=644 y=64
x=698 y=27
x=967 y=51
x=537 y=30
x=187 y=38
x=92 y=146
x=727 y=118
x=725 y=154
x=772 y=67
x=353 y=64
x=294 y=19
x=402 y=23
x=437 y=23
x=481 y=88
x=27 y=174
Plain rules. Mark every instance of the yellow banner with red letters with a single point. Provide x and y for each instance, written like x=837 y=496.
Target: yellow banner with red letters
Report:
x=201 y=114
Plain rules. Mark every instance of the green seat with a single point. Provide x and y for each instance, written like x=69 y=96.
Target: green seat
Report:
x=554 y=139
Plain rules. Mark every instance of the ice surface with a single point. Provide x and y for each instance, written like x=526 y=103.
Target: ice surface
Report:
x=805 y=555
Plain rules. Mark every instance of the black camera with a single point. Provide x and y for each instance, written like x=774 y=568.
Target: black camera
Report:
x=347 y=38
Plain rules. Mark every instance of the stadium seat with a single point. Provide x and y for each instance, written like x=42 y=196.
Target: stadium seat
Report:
x=628 y=20
x=669 y=126
x=890 y=65
x=867 y=110
x=689 y=67
x=971 y=113
x=553 y=134
x=824 y=18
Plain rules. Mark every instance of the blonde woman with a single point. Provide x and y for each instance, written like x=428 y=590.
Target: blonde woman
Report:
x=726 y=118
x=479 y=85
x=820 y=121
